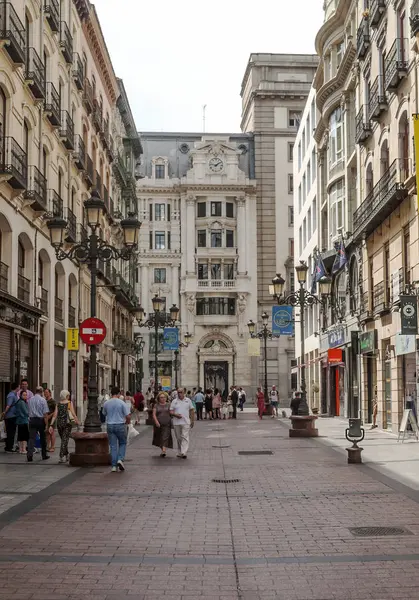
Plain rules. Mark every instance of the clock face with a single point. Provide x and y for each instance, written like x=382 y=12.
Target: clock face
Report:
x=216 y=164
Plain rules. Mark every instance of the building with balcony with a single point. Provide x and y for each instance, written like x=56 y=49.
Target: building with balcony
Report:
x=196 y=198
x=50 y=148
x=274 y=92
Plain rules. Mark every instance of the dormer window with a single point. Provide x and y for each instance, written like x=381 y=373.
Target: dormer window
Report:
x=160 y=172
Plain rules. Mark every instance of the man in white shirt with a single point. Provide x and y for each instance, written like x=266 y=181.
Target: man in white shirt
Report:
x=274 y=398
x=183 y=414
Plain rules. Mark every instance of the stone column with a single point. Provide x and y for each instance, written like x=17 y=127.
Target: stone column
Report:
x=175 y=285
x=241 y=235
x=144 y=287
x=190 y=234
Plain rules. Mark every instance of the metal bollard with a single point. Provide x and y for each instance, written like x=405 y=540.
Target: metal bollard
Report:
x=354 y=434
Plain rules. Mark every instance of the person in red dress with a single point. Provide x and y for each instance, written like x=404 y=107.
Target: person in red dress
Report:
x=260 y=397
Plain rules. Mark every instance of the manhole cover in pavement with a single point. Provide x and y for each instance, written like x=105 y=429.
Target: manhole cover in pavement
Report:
x=255 y=452
x=379 y=531
x=221 y=446
x=226 y=480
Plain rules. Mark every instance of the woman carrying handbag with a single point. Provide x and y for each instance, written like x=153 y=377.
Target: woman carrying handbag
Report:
x=66 y=417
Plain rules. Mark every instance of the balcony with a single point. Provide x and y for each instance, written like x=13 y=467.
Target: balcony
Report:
x=397 y=285
x=37 y=190
x=88 y=174
x=362 y=125
x=43 y=301
x=59 y=314
x=363 y=41
x=105 y=134
x=4 y=277
x=35 y=73
x=216 y=283
x=66 y=42
x=377 y=9
x=67 y=130
x=78 y=71
x=387 y=194
x=120 y=170
x=52 y=14
x=13 y=163
x=97 y=116
x=106 y=197
x=381 y=299
x=55 y=204
x=71 y=234
x=23 y=288
x=71 y=316
x=12 y=33
x=79 y=153
x=111 y=149
x=98 y=183
x=88 y=96
x=52 y=105
x=124 y=292
x=396 y=64
x=82 y=236
x=378 y=99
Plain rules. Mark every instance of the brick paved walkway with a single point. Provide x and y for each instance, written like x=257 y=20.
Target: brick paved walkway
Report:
x=165 y=530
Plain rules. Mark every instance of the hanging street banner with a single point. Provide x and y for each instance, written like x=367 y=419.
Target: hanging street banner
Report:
x=416 y=140
x=253 y=347
x=170 y=338
x=409 y=315
x=282 y=320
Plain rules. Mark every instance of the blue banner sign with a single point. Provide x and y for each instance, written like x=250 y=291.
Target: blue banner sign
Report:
x=171 y=338
x=282 y=320
x=336 y=337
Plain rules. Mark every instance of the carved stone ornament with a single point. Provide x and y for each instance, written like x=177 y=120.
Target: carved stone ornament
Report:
x=190 y=303
x=241 y=201
x=216 y=149
x=215 y=330
x=241 y=303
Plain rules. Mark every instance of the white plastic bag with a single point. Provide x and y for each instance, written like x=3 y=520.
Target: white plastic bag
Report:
x=132 y=432
x=3 y=434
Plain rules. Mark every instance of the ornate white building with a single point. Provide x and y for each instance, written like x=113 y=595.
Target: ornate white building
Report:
x=198 y=250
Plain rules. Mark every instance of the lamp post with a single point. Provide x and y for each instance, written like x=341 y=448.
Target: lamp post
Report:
x=158 y=319
x=88 y=252
x=139 y=344
x=302 y=298
x=264 y=334
x=187 y=337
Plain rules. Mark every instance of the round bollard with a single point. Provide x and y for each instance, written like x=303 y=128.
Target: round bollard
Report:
x=354 y=455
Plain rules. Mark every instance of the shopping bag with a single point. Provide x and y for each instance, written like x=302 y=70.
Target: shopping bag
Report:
x=3 y=434
x=37 y=441
x=132 y=432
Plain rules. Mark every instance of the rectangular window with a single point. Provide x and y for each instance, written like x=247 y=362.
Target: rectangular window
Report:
x=228 y=271
x=216 y=306
x=313 y=166
x=159 y=343
x=290 y=216
x=202 y=271
x=150 y=216
x=202 y=209
x=160 y=212
x=151 y=240
x=215 y=271
x=216 y=238
x=299 y=156
x=291 y=279
x=314 y=214
x=215 y=209
x=229 y=238
x=387 y=290
x=159 y=275
x=202 y=238
x=169 y=240
x=160 y=171
x=309 y=224
x=291 y=151
x=294 y=118
x=291 y=247
x=308 y=176
x=160 y=240
x=290 y=184
x=230 y=210
x=406 y=255
x=300 y=240
x=300 y=199
x=168 y=212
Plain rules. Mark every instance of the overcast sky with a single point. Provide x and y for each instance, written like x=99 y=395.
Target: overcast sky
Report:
x=176 y=56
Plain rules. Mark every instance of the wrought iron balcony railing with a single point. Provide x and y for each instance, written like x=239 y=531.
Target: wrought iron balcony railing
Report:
x=82 y=236
x=23 y=288
x=377 y=10
x=88 y=96
x=396 y=64
x=36 y=189
x=67 y=130
x=35 y=73
x=13 y=163
x=98 y=183
x=52 y=14
x=12 y=33
x=362 y=125
x=4 y=277
x=43 y=301
x=378 y=99
x=52 y=105
x=78 y=71
x=66 y=42
x=79 y=153
x=71 y=234
x=71 y=316
x=363 y=41
x=55 y=204
x=89 y=172
x=381 y=298
x=59 y=313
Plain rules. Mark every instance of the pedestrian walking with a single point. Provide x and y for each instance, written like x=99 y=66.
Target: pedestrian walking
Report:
x=22 y=422
x=274 y=399
x=65 y=417
x=260 y=398
x=138 y=406
x=224 y=407
x=234 y=400
x=162 y=433
x=208 y=404
x=51 y=430
x=199 y=404
x=216 y=404
x=183 y=413
x=117 y=418
x=10 y=417
x=242 y=398
x=38 y=423
x=24 y=387
x=295 y=403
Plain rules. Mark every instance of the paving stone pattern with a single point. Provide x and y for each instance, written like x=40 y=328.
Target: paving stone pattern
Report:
x=164 y=530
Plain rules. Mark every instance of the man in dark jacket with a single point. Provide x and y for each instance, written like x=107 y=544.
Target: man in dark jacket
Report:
x=295 y=403
x=234 y=400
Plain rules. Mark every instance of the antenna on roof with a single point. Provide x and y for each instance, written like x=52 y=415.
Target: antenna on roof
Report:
x=204 y=108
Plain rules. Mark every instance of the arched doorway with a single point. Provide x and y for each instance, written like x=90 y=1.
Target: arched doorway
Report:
x=216 y=362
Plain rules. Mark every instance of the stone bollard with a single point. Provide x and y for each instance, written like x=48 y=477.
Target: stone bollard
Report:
x=354 y=434
x=354 y=455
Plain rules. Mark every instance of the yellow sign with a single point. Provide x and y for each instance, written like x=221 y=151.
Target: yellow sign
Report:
x=253 y=347
x=416 y=137
x=73 y=339
x=166 y=383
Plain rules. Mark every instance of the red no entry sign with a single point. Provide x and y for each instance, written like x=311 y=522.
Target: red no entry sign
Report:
x=92 y=331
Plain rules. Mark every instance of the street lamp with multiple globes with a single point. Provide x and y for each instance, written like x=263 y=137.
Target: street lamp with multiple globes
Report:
x=139 y=344
x=264 y=334
x=89 y=252
x=302 y=298
x=187 y=337
x=157 y=320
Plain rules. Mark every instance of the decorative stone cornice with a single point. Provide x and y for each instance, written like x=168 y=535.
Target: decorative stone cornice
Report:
x=83 y=8
x=329 y=26
x=338 y=81
x=197 y=188
x=97 y=45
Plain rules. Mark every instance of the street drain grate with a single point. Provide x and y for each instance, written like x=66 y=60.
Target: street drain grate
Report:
x=256 y=452
x=378 y=531
x=221 y=446
x=226 y=480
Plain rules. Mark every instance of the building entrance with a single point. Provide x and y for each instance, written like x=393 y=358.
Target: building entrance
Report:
x=216 y=376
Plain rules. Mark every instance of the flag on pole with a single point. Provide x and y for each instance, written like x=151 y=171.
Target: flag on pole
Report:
x=318 y=272
x=340 y=258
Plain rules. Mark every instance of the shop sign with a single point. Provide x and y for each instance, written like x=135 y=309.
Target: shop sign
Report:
x=409 y=315
x=336 y=337
x=334 y=355
x=73 y=339
x=170 y=338
x=166 y=383
x=405 y=344
x=367 y=341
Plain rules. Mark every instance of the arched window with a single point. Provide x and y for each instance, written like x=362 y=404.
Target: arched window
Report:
x=3 y=113
x=45 y=162
x=73 y=199
x=354 y=286
x=26 y=139
x=369 y=180
x=384 y=158
x=60 y=183
x=20 y=258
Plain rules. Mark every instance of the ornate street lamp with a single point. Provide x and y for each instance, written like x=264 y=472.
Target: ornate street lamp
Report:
x=157 y=320
x=88 y=252
x=139 y=344
x=264 y=334
x=187 y=337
